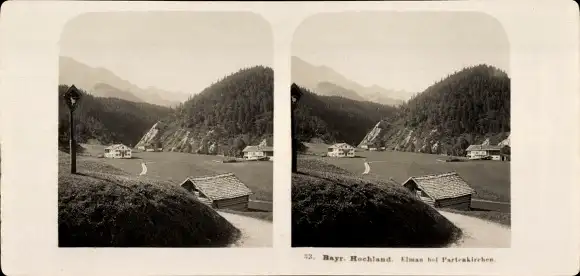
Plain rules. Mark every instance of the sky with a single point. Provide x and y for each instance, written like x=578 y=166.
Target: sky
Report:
x=401 y=50
x=175 y=51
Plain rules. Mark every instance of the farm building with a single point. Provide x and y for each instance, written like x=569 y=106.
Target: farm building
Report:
x=484 y=151
x=341 y=150
x=224 y=191
x=118 y=151
x=258 y=152
x=447 y=190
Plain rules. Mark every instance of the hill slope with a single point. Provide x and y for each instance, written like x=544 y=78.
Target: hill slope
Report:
x=467 y=107
x=222 y=119
x=336 y=119
x=81 y=75
x=334 y=208
x=103 y=206
x=310 y=77
x=108 y=120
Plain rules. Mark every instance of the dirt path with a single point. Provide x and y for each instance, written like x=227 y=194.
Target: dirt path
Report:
x=367 y=168
x=478 y=233
x=144 y=169
x=255 y=232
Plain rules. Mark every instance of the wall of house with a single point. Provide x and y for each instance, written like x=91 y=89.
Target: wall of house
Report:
x=117 y=153
x=458 y=203
x=341 y=153
x=238 y=203
x=254 y=154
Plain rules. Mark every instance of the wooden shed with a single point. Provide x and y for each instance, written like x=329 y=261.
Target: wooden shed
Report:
x=224 y=191
x=446 y=190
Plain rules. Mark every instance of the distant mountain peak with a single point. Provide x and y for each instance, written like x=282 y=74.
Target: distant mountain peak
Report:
x=311 y=76
x=87 y=77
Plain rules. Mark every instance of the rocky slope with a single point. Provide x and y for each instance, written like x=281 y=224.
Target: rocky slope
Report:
x=471 y=106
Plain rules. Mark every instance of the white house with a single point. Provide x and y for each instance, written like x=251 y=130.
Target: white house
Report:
x=118 y=151
x=258 y=152
x=341 y=150
x=482 y=151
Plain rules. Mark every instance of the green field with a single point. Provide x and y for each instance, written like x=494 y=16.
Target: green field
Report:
x=490 y=179
x=176 y=167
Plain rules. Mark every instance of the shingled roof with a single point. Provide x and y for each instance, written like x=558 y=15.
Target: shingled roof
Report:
x=483 y=147
x=341 y=146
x=257 y=148
x=442 y=186
x=117 y=146
x=219 y=187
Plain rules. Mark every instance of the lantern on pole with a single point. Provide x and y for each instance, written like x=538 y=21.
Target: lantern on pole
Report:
x=295 y=94
x=71 y=98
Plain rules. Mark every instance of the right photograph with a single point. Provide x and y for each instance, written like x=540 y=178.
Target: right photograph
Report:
x=401 y=131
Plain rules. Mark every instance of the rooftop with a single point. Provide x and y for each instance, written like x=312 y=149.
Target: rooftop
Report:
x=221 y=186
x=441 y=186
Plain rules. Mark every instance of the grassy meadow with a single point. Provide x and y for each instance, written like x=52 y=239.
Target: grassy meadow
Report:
x=104 y=206
x=176 y=167
x=332 y=207
x=490 y=179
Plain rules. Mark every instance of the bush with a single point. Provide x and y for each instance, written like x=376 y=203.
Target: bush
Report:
x=105 y=207
x=341 y=210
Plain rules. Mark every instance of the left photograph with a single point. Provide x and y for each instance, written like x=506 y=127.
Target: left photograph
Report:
x=165 y=130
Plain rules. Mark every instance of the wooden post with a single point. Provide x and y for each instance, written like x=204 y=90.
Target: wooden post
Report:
x=73 y=146
x=295 y=94
x=294 y=144
x=71 y=97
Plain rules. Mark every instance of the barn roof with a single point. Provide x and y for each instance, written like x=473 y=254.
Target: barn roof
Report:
x=442 y=186
x=219 y=187
x=257 y=148
x=482 y=147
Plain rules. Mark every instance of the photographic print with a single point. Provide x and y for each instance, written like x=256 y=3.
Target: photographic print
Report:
x=401 y=130
x=165 y=130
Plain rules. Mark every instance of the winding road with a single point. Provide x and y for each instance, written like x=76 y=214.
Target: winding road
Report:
x=255 y=232
x=478 y=233
x=144 y=169
x=368 y=166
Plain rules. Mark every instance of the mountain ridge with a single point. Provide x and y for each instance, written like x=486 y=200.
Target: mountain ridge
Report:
x=468 y=106
x=309 y=76
x=107 y=120
x=87 y=77
x=235 y=111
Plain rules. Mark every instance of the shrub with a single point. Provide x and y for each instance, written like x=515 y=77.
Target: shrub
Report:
x=105 y=207
x=341 y=210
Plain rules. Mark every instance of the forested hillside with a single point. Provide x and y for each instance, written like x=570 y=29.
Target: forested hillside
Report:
x=107 y=120
x=336 y=119
x=223 y=118
x=464 y=108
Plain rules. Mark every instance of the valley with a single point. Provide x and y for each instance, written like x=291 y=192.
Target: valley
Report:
x=175 y=167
